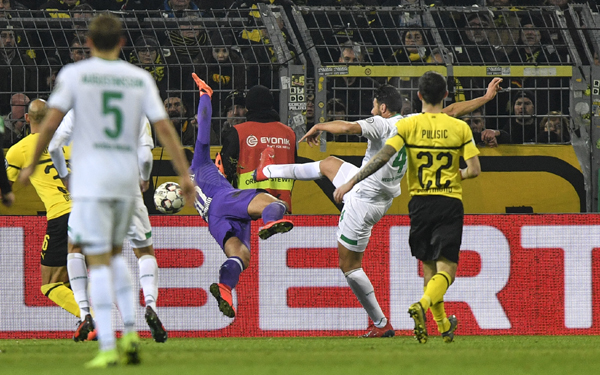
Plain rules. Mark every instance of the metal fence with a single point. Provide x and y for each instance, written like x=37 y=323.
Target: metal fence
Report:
x=324 y=63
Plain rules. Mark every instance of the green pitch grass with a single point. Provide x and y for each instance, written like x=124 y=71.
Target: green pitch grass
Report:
x=313 y=356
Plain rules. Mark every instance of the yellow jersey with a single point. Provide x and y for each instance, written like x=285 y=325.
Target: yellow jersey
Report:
x=434 y=144
x=44 y=179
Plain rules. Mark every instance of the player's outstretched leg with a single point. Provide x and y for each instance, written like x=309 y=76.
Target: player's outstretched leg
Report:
x=149 y=283
x=222 y=294
x=86 y=330
x=275 y=223
x=267 y=158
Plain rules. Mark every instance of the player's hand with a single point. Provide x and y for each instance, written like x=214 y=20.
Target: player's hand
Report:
x=204 y=88
x=338 y=194
x=25 y=174
x=144 y=185
x=312 y=137
x=8 y=199
x=189 y=191
x=493 y=88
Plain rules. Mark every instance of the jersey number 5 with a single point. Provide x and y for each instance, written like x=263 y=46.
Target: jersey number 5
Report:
x=438 y=173
x=108 y=109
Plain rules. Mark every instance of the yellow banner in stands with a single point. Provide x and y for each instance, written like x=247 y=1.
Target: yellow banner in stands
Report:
x=514 y=178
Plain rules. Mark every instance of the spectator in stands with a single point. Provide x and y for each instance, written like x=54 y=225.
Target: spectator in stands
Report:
x=15 y=126
x=17 y=71
x=414 y=50
x=48 y=70
x=146 y=54
x=596 y=59
x=355 y=92
x=244 y=143
x=535 y=48
x=336 y=110
x=59 y=8
x=178 y=8
x=310 y=111
x=234 y=111
x=78 y=50
x=407 y=107
x=475 y=47
x=225 y=69
x=183 y=122
x=10 y=5
x=481 y=135
x=184 y=50
x=554 y=128
x=81 y=15
x=522 y=126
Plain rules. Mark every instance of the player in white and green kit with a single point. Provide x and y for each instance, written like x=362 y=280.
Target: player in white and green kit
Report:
x=109 y=98
x=366 y=204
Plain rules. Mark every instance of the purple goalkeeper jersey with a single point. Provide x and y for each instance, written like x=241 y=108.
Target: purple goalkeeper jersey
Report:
x=223 y=207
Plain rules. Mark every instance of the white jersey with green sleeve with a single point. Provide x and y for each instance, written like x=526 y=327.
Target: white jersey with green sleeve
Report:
x=108 y=98
x=385 y=183
x=62 y=137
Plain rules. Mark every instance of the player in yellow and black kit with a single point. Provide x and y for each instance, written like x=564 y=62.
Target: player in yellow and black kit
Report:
x=434 y=143
x=56 y=199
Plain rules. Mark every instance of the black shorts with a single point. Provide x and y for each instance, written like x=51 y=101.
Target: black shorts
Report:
x=55 y=246
x=436 y=225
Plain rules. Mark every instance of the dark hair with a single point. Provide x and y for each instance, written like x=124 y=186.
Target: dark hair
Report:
x=390 y=96
x=335 y=105
x=433 y=87
x=105 y=31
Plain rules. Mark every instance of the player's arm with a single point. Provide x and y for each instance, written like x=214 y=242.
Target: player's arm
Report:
x=334 y=127
x=145 y=160
x=47 y=129
x=168 y=137
x=473 y=168
x=378 y=161
x=462 y=108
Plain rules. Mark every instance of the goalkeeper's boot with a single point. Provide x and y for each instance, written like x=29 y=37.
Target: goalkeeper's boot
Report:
x=130 y=346
x=418 y=315
x=277 y=226
x=85 y=329
x=158 y=331
x=373 y=331
x=104 y=359
x=448 y=336
x=204 y=88
x=222 y=293
x=267 y=157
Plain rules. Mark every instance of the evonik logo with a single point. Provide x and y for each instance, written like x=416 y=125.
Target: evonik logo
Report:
x=252 y=141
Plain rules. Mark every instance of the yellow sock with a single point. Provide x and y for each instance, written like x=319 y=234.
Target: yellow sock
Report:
x=436 y=288
x=62 y=296
x=439 y=315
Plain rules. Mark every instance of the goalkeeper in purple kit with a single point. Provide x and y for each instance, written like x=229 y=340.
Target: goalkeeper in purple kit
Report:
x=229 y=211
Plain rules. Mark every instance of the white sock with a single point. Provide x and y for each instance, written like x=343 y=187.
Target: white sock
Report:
x=363 y=290
x=124 y=294
x=78 y=278
x=346 y=171
x=303 y=172
x=102 y=301
x=149 y=279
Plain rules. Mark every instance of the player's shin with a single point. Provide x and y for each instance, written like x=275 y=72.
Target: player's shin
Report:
x=123 y=289
x=101 y=296
x=439 y=315
x=229 y=273
x=436 y=288
x=149 y=279
x=78 y=278
x=363 y=290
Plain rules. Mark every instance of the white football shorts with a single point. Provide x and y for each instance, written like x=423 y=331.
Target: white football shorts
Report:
x=357 y=220
x=140 y=230
x=102 y=223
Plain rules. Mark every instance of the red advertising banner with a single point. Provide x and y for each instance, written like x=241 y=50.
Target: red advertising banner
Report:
x=518 y=275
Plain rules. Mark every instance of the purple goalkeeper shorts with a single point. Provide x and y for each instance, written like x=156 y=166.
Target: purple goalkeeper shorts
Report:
x=228 y=216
